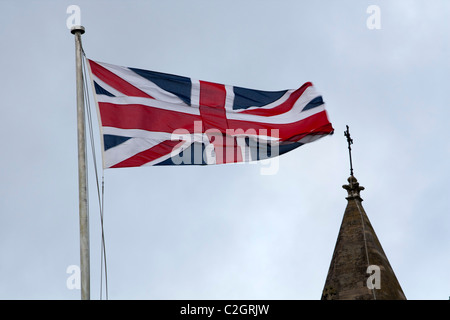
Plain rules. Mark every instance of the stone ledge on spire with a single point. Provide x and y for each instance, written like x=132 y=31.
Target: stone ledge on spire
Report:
x=353 y=188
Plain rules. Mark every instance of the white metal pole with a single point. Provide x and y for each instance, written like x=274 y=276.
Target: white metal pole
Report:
x=82 y=178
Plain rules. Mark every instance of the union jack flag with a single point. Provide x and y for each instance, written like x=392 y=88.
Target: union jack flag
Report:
x=152 y=118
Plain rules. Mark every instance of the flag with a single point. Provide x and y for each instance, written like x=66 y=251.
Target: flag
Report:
x=152 y=118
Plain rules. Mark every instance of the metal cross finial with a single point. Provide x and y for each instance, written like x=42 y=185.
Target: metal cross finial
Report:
x=350 y=142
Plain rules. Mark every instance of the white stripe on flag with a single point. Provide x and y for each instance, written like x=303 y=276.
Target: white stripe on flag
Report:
x=195 y=93
x=143 y=84
x=293 y=115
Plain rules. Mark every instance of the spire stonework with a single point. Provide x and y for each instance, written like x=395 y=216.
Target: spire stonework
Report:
x=353 y=188
x=357 y=253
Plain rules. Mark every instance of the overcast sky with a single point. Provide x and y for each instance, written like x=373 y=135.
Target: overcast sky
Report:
x=227 y=231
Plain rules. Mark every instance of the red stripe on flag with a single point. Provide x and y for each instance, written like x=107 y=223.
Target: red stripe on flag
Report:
x=148 y=155
x=226 y=148
x=136 y=116
x=212 y=106
x=116 y=82
x=282 y=108
x=212 y=94
x=315 y=124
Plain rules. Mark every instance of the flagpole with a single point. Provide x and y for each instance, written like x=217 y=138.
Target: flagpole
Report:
x=77 y=31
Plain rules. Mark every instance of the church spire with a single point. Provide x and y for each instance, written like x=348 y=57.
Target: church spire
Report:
x=359 y=268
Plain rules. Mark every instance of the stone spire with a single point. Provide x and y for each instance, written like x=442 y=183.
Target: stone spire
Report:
x=359 y=268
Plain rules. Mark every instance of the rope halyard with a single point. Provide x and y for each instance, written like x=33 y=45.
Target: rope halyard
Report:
x=100 y=191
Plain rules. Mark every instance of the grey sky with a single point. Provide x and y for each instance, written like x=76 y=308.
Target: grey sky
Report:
x=228 y=232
